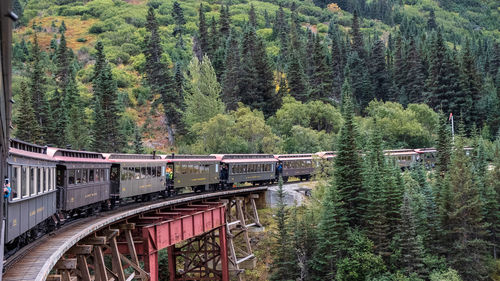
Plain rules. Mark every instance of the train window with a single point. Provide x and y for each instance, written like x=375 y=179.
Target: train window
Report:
x=44 y=181
x=97 y=175
x=38 y=180
x=124 y=175
x=143 y=172
x=15 y=183
x=104 y=173
x=78 y=176
x=24 y=181
x=52 y=179
x=71 y=176
x=137 y=173
x=91 y=175
x=84 y=176
x=32 y=181
x=148 y=172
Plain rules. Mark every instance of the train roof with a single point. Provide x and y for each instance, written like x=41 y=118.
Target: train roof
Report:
x=241 y=158
x=189 y=157
x=400 y=152
x=26 y=149
x=303 y=156
x=68 y=155
x=132 y=158
x=326 y=154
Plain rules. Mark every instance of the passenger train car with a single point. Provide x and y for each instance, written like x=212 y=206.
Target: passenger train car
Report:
x=50 y=185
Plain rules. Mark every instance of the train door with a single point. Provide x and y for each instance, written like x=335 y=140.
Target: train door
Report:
x=115 y=180
x=60 y=185
x=169 y=178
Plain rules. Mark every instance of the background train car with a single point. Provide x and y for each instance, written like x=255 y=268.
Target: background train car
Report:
x=82 y=180
x=301 y=166
x=252 y=168
x=327 y=155
x=136 y=176
x=32 y=201
x=405 y=157
x=428 y=157
x=198 y=172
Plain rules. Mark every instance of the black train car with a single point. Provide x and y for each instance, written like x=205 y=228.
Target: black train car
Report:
x=252 y=168
x=32 y=201
x=297 y=165
x=199 y=172
x=82 y=180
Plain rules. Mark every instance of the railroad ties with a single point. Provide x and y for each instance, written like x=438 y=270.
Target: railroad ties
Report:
x=206 y=235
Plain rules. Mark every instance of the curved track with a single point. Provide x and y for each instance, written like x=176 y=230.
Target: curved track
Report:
x=37 y=259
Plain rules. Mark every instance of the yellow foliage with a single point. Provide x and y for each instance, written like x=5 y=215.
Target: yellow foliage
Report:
x=334 y=8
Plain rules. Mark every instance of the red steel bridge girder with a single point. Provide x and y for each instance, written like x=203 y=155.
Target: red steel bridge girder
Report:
x=197 y=223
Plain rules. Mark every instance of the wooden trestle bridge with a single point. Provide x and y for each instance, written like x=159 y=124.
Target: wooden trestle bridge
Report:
x=205 y=236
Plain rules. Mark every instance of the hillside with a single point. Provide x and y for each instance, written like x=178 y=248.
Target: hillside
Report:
x=122 y=28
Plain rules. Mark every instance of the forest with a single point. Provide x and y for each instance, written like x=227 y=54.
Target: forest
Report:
x=291 y=76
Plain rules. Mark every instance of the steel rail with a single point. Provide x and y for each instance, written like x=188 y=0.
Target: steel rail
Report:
x=36 y=266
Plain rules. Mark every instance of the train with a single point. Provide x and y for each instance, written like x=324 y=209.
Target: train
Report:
x=51 y=185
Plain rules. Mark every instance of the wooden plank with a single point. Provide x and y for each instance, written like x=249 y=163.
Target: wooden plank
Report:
x=80 y=250
x=66 y=264
x=83 y=267
x=117 y=263
x=98 y=240
x=54 y=277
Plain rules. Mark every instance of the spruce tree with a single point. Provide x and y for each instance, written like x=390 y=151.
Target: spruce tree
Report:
x=37 y=87
x=320 y=80
x=224 y=23
x=282 y=266
x=62 y=62
x=160 y=79
x=470 y=84
x=348 y=166
x=431 y=22
x=231 y=77
x=357 y=44
x=378 y=71
x=76 y=131
x=138 y=148
x=252 y=18
x=361 y=86
x=332 y=229
x=415 y=79
x=178 y=80
x=27 y=127
x=491 y=206
x=410 y=244
x=203 y=32
x=105 y=127
x=297 y=83
x=465 y=228
x=337 y=62
x=179 y=20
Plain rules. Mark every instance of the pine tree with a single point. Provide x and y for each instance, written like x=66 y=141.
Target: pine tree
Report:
x=27 y=127
x=230 y=78
x=252 y=18
x=105 y=127
x=357 y=73
x=415 y=79
x=76 y=131
x=348 y=166
x=491 y=205
x=160 y=79
x=224 y=23
x=332 y=229
x=465 y=228
x=431 y=22
x=283 y=266
x=138 y=148
x=470 y=84
x=203 y=32
x=410 y=244
x=37 y=88
x=62 y=63
x=378 y=72
x=400 y=72
x=320 y=79
x=178 y=80
x=178 y=16
x=337 y=62
x=357 y=44
x=297 y=83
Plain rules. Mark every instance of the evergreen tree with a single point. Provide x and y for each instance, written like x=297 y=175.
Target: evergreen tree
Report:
x=76 y=131
x=37 y=87
x=62 y=63
x=252 y=18
x=431 y=22
x=320 y=80
x=283 y=266
x=378 y=72
x=27 y=127
x=348 y=166
x=224 y=23
x=332 y=229
x=160 y=79
x=179 y=20
x=357 y=44
x=400 y=72
x=410 y=244
x=105 y=127
x=297 y=83
x=178 y=80
x=470 y=84
x=491 y=205
x=357 y=73
x=231 y=76
x=138 y=148
x=465 y=228
x=415 y=79
x=337 y=62
x=203 y=32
